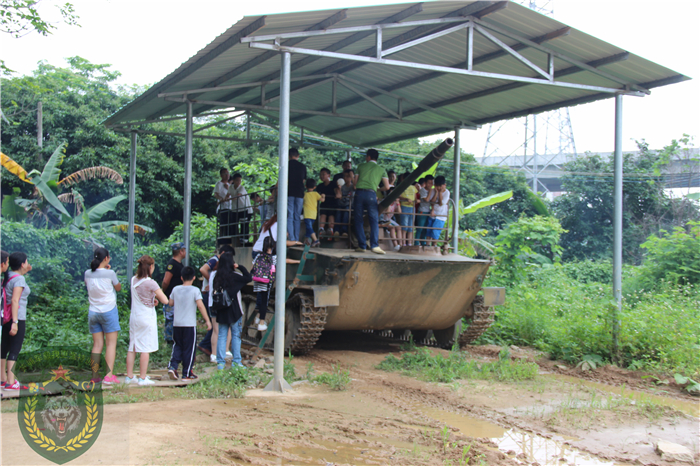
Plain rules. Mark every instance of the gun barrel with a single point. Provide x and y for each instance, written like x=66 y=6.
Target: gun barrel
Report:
x=431 y=159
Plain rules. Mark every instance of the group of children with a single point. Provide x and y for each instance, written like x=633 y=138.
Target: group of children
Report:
x=428 y=199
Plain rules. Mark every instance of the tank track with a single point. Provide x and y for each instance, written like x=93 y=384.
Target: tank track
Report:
x=312 y=320
x=481 y=321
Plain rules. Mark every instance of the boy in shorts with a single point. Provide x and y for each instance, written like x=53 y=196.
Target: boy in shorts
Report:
x=311 y=199
x=185 y=299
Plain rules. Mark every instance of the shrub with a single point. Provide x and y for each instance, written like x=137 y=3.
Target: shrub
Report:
x=673 y=257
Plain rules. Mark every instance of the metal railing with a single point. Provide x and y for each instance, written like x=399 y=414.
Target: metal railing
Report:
x=240 y=227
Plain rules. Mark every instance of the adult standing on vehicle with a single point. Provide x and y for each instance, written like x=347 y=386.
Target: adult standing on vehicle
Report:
x=143 y=324
x=103 y=317
x=369 y=175
x=16 y=292
x=223 y=206
x=172 y=279
x=295 y=194
x=242 y=209
x=231 y=277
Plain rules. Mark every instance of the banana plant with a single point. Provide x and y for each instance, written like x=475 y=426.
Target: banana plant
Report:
x=47 y=208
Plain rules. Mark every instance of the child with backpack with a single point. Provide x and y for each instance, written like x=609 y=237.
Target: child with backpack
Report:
x=263 y=273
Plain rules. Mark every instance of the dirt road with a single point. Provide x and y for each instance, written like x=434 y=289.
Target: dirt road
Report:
x=387 y=418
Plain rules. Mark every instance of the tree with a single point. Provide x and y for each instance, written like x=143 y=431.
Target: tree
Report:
x=21 y=17
x=586 y=210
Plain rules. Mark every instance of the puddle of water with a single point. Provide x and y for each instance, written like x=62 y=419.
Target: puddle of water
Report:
x=688 y=407
x=534 y=447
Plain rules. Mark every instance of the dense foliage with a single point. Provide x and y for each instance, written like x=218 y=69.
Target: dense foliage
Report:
x=586 y=209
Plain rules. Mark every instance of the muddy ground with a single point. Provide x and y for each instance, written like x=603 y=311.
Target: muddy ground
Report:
x=602 y=417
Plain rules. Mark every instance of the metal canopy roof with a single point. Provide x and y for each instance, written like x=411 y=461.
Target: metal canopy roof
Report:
x=373 y=75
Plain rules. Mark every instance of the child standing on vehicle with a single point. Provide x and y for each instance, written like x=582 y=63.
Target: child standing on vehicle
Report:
x=263 y=273
x=311 y=199
x=185 y=299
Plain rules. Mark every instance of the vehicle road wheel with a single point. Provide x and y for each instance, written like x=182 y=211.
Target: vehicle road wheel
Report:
x=419 y=336
x=447 y=337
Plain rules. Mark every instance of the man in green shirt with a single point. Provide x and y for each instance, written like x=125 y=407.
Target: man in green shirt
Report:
x=368 y=176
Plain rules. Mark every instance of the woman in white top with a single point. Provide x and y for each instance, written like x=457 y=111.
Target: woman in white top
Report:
x=143 y=325
x=103 y=316
x=269 y=228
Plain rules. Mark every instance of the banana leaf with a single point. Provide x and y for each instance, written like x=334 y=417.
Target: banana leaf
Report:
x=487 y=201
x=96 y=212
x=14 y=168
x=50 y=197
x=11 y=210
x=51 y=170
x=538 y=204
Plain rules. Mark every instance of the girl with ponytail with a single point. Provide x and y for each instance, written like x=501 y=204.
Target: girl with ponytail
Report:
x=103 y=316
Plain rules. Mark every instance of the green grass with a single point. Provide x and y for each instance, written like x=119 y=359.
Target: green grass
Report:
x=430 y=367
x=338 y=379
x=571 y=318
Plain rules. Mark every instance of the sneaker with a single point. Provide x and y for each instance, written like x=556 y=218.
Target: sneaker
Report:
x=257 y=320
x=220 y=367
x=146 y=381
x=130 y=380
x=110 y=379
x=343 y=234
x=192 y=377
x=262 y=326
x=337 y=233
x=377 y=250
x=315 y=244
x=15 y=386
x=360 y=250
x=172 y=374
x=212 y=358
x=2 y=384
x=229 y=354
x=321 y=231
x=397 y=248
x=204 y=350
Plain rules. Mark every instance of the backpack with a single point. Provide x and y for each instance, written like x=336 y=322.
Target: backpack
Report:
x=7 y=306
x=263 y=268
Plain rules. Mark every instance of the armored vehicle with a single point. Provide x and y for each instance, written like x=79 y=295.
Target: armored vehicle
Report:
x=424 y=290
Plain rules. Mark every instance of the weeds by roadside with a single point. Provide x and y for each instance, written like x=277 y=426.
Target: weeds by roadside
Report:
x=338 y=379
x=425 y=365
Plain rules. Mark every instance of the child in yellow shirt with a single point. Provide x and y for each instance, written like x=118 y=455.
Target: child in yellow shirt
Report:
x=311 y=199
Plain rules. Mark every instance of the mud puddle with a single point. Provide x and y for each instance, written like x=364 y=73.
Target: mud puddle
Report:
x=522 y=445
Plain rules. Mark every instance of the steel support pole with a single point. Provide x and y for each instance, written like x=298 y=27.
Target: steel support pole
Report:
x=534 y=154
x=132 y=209
x=455 y=193
x=617 y=226
x=278 y=384
x=188 y=183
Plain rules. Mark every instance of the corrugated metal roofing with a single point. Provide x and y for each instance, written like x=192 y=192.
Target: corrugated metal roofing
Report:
x=460 y=98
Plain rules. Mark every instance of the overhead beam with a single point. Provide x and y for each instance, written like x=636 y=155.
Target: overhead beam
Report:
x=326 y=23
x=178 y=76
x=495 y=90
x=417 y=8
x=477 y=9
x=476 y=61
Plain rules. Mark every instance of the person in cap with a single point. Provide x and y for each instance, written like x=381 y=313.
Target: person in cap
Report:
x=172 y=278
x=369 y=175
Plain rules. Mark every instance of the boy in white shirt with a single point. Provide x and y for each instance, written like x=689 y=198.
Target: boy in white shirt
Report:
x=438 y=215
x=186 y=299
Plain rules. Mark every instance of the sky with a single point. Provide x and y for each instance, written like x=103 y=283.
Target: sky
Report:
x=147 y=39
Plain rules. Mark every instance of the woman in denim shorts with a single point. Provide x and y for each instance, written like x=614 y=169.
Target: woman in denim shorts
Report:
x=103 y=316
